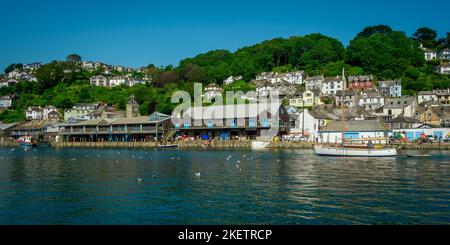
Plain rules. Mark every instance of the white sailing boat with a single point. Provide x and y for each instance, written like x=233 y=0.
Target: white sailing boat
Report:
x=354 y=150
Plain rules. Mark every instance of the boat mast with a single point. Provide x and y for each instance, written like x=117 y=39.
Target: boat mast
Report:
x=342 y=104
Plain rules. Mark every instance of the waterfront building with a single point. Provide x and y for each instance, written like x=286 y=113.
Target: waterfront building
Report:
x=416 y=133
x=35 y=128
x=6 y=101
x=362 y=129
x=307 y=124
x=6 y=129
x=330 y=85
x=391 y=88
x=314 y=82
x=394 y=107
x=360 y=83
x=232 y=121
x=401 y=122
x=132 y=128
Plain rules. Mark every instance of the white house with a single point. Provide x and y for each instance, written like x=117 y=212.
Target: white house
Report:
x=5 y=101
x=32 y=66
x=119 y=80
x=264 y=88
x=314 y=82
x=295 y=77
x=50 y=112
x=424 y=96
x=308 y=123
x=429 y=54
x=391 y=88
x=212 y=90
x=34 y=113
x=444 y=54
x=231 y=79
x=99 y=81
x=4 y=83
x=362 y=129
x=331 y=85
x=394 y=107
x=444 y=69
x=371 y=100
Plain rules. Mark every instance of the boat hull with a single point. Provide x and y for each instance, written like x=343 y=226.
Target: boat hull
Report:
x=260 y=145
x=354 y=152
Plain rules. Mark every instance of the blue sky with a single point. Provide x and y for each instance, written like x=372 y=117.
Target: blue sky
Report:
x=137 y=32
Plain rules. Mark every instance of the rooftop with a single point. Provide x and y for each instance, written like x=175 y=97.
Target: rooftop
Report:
x=358 y=126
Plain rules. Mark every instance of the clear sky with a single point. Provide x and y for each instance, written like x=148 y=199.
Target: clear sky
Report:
x=137 y=32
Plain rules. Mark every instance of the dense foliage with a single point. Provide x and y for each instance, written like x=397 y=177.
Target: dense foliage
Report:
x=377 y=50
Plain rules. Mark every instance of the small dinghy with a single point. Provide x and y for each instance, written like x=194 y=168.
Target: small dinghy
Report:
x=419 y=155
x=167 y=146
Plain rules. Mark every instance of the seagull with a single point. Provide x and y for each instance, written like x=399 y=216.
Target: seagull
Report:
x=197 y=174
x=238 y=161
x=139 y=179
x=237 y=166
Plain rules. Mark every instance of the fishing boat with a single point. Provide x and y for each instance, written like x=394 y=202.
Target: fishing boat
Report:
x=26 y=141
x=354 y=147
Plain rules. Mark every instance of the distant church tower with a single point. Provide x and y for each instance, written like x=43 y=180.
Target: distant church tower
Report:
x=132 y=108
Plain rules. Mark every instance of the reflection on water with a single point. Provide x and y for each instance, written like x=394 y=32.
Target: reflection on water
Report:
x=85 y=186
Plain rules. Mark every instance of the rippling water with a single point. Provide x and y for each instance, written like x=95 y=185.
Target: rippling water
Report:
x=85 y=186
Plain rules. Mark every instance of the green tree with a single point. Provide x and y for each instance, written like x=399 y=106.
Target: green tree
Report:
x=370 y=30
x=73 y=58
x=385 y=55
x=426 y=36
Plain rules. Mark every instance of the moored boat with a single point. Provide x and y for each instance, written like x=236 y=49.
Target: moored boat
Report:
x=26 y=141
x=260 y=145
x=354 y=152
x=167 y=146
